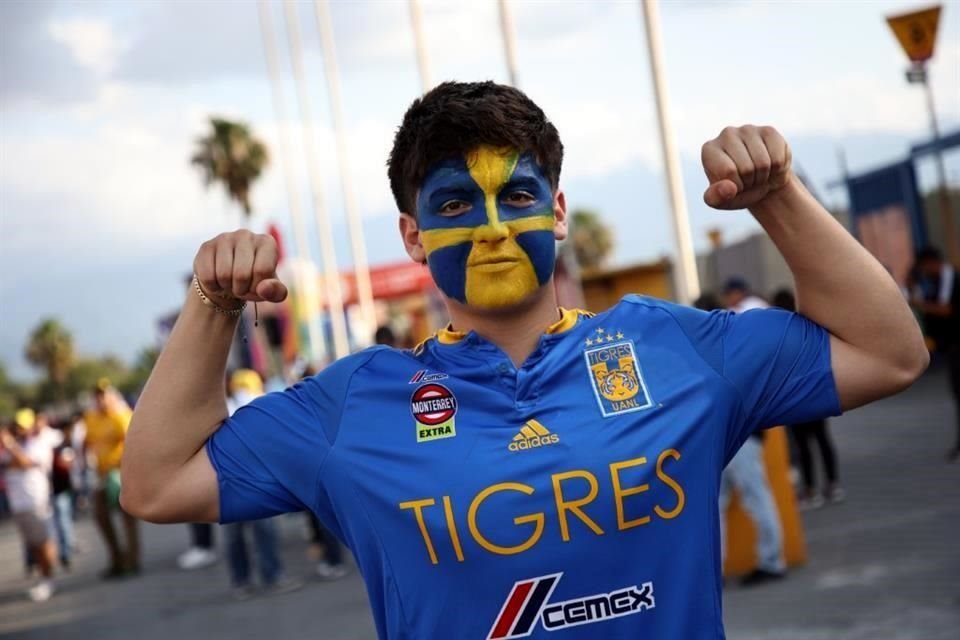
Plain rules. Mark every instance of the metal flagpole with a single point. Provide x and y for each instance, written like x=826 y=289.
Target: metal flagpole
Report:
x=334 y=294
x=301 y=247
x=509 y=41
x=360 y=264
x=686 y=278
x=423 y=63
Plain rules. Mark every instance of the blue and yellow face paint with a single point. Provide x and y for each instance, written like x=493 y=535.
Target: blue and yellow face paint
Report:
x=486 y=224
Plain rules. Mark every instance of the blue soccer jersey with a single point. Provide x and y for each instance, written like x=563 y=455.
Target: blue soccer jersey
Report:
x=574 y=497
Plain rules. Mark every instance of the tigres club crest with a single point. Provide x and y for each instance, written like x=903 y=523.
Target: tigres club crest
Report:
x=615 y=376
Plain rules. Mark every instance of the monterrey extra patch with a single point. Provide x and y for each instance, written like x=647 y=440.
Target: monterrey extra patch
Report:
x=434 y=408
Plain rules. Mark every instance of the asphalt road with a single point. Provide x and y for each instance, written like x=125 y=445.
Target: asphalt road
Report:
x=882 y=565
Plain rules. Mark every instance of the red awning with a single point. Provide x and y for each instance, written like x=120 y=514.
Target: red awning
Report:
x=390 y=281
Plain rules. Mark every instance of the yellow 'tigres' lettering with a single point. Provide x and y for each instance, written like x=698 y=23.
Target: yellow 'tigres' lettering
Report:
x=670 y=482
x=620 y=493
x=573 y=506
x=536 y=518
x=417 y=506
x=452 y=527
x=563 y=503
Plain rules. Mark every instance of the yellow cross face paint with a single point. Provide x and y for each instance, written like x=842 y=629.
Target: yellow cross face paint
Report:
x=487 y=227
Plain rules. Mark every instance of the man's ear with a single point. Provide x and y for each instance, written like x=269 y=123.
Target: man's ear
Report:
x=410 y=233
x=560 y=216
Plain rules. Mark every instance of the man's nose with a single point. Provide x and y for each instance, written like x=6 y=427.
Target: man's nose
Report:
x=495 y=232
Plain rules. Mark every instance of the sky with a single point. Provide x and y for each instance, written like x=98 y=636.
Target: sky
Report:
x=101 y=102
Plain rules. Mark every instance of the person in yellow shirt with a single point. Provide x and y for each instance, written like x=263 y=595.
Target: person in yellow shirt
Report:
x=107 y=426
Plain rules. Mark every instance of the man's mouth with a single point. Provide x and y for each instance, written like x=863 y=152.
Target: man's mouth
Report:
x=500 y=263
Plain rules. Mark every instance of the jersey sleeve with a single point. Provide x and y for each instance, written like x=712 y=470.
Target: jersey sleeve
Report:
x=268 y=455
x=777 y=363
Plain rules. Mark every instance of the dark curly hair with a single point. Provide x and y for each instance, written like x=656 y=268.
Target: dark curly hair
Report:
x=455 y=117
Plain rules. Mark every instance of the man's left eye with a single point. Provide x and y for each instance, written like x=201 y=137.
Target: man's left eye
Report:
x=519 y=198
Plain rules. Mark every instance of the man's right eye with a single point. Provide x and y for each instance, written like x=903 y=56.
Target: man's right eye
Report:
x=454 y=207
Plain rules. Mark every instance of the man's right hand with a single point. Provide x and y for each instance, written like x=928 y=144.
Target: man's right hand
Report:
x=240 y=264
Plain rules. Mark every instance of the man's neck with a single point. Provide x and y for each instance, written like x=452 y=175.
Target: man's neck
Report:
x=516 y=331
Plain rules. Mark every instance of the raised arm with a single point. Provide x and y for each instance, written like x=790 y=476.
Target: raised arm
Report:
x=18 y=457
x=167 y=476
x=877 y=348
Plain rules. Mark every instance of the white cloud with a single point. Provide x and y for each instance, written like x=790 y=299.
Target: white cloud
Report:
x=92 y=42
x=600 y=138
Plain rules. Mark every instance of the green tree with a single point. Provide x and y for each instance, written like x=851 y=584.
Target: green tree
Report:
x=231 y=156
x=11 y=395
x=591 y=238
x=50 y=347
x=142 y=366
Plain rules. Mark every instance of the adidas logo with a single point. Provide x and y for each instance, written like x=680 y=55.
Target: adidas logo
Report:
x=532 y=435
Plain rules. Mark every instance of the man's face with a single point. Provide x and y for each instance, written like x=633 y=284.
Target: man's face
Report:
x=487 y=227
x=100 y=400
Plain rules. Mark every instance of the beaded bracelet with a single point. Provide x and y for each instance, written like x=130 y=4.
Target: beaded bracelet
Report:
x=233 y=313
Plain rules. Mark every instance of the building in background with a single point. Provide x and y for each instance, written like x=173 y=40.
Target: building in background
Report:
x=754 y=258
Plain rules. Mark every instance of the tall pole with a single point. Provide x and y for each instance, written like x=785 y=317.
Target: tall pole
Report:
x=361 y=268
x=423 y=62
x=301 y=247
x=686 y=278
x=334 y=294
x=509 y=41
x=946 y=210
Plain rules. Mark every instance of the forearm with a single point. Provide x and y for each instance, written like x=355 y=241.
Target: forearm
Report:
x=19 y=459
x=839 y=284
x=183 y=402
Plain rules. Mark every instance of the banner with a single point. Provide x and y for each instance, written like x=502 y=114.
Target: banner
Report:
x=886 y=216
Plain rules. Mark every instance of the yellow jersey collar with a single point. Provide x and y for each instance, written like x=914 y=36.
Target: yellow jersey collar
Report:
x=568 y=318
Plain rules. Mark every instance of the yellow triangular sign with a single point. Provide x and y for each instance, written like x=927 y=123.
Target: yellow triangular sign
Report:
x=917 y=32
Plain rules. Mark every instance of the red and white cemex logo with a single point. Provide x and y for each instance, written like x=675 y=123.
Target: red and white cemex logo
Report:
x=434 y=407
x=528 y=603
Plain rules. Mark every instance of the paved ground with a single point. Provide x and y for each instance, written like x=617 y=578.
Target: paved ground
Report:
x=884 y=565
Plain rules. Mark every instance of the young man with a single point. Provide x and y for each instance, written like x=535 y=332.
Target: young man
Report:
x=528 y=469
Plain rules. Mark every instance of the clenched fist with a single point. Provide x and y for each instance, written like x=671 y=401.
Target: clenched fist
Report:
x=744 y=165
x=240 y=264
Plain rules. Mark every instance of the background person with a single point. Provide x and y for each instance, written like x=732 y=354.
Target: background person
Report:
x=937 y=297
x=746 y=474
x=65 y=460
x=803 y=434
x=245 y=385
x=27 y=459
x=106 y=426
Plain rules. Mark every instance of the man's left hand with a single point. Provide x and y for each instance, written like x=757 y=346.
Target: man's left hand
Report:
x=744 y=166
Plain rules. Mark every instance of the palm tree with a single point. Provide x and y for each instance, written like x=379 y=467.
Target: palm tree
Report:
x=591 y=238
x=50 y=347
x=232 y=156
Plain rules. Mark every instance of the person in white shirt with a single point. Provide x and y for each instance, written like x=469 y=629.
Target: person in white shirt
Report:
x=245 y=385
x=738 y=298
x=746 y=473
x=28 y=460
